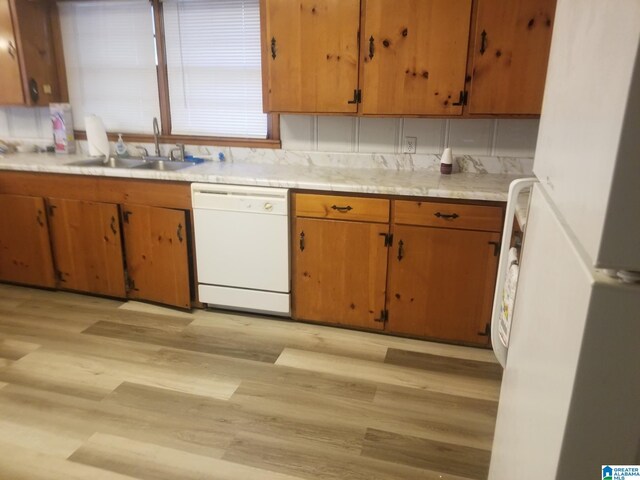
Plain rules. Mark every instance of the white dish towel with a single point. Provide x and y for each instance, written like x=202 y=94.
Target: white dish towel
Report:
x=96 y=136
x=508 y=297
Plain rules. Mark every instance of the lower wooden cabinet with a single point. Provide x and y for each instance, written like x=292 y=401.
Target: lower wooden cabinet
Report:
x=25 y=252
x=340 y=270
x=87 y=246
x=156 y=254
x=441 y=283
x=427 y=270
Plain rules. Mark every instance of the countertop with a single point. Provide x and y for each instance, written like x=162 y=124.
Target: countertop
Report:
x=427 y=182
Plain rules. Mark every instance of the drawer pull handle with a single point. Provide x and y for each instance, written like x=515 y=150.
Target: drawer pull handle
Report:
x=447 y=216
x=39 y=218
x=483 y=42
x=179 y=233
x=273 y=48
x=342 y=209
x=302 y=241
x=113 y=225
x=400 y=250
x=371 y=48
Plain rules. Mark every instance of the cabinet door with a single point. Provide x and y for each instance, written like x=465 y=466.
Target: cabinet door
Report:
x=511 y=51
x=441 y=283
x=311 y=55
x=414 y=55
x=87 y=246
x=156 y=252
x=25 y=250
x=340 y=271
x=10 y=80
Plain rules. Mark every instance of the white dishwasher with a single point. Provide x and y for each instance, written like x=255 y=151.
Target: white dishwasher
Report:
x=242 y=247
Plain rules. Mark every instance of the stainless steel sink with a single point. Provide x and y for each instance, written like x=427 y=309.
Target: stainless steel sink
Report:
x=165 y=165
x=113 y=162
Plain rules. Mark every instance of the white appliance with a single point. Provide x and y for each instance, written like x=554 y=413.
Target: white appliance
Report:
x=242 y=247
x=570 y=396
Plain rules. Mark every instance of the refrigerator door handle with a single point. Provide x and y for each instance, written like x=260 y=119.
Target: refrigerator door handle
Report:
x=515 y=189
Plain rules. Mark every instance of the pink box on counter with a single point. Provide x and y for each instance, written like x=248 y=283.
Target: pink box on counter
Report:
x=62 y=121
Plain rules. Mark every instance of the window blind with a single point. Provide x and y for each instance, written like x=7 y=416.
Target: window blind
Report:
x=110 y=59
x=213 y=64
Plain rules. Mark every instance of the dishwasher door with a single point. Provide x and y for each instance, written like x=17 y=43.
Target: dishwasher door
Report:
x=242 y=246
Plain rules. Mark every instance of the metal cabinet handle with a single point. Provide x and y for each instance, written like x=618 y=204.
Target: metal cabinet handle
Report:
x=302 y=241
x=179 y=233
x=273 y=47
x=342 y=209
x=372 y=48
x=483 y=42
x=113 y=225
x=446 y=216
x=11 y=50
x=39 y=218
x=400 y=250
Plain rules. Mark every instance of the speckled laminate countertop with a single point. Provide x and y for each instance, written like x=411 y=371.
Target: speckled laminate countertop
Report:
x=421 y=182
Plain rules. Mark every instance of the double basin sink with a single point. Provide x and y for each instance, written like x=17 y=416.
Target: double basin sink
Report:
x=149 y=163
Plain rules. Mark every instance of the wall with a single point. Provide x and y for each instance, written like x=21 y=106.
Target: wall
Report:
x=486 y=137
x=482 y=137
x=22 y=123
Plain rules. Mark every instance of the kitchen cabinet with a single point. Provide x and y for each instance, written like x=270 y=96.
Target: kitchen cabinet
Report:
x=442 y=270
x=414 y=56
x=420 y=268
x=156 y=254
x=510 y=55
x=25 y=251
x=28 y=67
x=310 y=55
x=87 y=246
x=340 y=260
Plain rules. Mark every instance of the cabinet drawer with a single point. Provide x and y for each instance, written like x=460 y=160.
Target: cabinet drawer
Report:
x=342 y=207
x=448 y=215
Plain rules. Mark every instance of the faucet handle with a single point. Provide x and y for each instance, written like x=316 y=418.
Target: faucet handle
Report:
x=180 y=148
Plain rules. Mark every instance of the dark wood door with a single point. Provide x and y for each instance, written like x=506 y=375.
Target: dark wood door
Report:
x=340 y=271
x=511 y=52
x=25 y=250
x=157 y=255
x=10 y=79
x=414 y=55
x=441 y=283
x=311 y=55
x=87 y=246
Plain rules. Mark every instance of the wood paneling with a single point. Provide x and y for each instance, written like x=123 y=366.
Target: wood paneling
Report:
x=156 y=253
x=448 y=215
x=339 y=272
x=413 y=55
x=510 y=64
x=87 y=246
x=10 y=79
x=315 y=43
x=342 y=207
x=25 y=252
x=441 y=283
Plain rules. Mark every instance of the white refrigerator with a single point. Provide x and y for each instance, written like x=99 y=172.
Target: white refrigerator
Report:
x=570 y=396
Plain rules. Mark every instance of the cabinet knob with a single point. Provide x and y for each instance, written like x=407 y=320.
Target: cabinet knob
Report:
x=268 y=206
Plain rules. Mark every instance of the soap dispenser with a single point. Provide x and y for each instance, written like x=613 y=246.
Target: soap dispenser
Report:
x=121 y=148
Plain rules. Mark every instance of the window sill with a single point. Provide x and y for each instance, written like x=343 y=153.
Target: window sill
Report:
x=191 y=140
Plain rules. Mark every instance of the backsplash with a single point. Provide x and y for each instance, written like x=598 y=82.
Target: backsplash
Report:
x=494 y=146
x=481 y=137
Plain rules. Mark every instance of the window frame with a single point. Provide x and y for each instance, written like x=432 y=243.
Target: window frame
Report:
x=273 y=120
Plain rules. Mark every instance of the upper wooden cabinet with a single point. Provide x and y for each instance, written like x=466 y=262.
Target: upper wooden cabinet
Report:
x=28 y=68
x=414 y=56
x=310 y=55
x=510 y=55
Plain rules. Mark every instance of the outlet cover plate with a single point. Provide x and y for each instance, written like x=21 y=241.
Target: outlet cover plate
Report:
x=410 y=145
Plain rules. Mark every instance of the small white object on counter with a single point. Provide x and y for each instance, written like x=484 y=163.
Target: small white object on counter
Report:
x=96 y=136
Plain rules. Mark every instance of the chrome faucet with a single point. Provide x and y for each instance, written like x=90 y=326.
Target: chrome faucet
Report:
x=156 y=135
x=179 y=148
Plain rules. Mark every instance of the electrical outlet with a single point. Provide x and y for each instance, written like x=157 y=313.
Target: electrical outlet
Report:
x=410 y=145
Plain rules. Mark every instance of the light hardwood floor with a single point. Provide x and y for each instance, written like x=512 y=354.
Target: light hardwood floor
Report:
x=93 y=388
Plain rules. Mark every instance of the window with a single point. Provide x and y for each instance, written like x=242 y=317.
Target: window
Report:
x=213 y=71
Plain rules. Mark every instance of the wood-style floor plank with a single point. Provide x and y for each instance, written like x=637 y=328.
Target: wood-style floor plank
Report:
x=97 y=388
